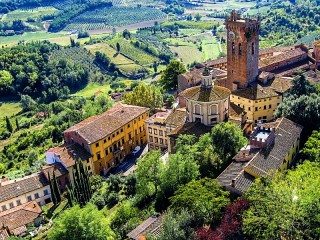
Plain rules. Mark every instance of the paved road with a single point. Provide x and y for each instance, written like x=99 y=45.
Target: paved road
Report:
x=128 y=166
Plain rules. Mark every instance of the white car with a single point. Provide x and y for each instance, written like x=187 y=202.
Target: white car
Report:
x=136 y=150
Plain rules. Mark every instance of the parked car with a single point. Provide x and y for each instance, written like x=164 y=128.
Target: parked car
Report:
x=136 y=150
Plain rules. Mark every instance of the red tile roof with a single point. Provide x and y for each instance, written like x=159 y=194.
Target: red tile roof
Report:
x=98 y=127
x=21 y=215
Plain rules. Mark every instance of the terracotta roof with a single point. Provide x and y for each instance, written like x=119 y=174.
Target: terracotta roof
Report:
x=273 y=88
x=18 y=187
x=162 y=114
x=275 y=50
x=195 y=128
x=98 y=127
x=270 y=159
x=153 y=225
x=20 y=216
x=200 y=94
x=177 y=117
x=281 y=57
x=68 y=153
x=262 y=161
x=57 y=168
x=235 y=110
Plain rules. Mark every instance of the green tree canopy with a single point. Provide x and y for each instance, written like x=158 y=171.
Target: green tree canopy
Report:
x=145 y=96
x=311 y=148
x=81 y=223
x=6 y=80
x=301 y=86
x=149 y=172
x=203 y=198
x=286 y=206
x=227 y=139
x=169 y=77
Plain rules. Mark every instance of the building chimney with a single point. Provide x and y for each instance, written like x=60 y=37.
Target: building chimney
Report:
x=233 y=183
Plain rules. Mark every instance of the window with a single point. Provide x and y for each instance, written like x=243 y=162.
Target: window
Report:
x=156 y=140
x=29 y=198
x=240 y=49
x=136 y=132
x=135 y=121
x=160 y=132
x=113 y=135
x=264 y=117
x=117 y=132
x=197 y=109
x=166 y=142
x=110 y=149
x=106 y=151
x=122 y=140
x=18 y=202
x=150 y=139
x=109 y=138
x=11 y=205
x=4 y=207
x=213 y=120
x=270 y=106
x=98 y=155
x=264 y=107
x=97 y=144
x=88 y=168
x=256 y=108
x=214 y=109
x=105 y=140
x=128 y=125
x=252 y=48
x=155 y=131
x=161 y=141
x=121 y=130
x=45 y=192
x=129 y=135
x=233 y=48
x=249 y=108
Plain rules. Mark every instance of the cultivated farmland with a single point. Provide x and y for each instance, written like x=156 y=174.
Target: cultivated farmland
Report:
x=110 y=17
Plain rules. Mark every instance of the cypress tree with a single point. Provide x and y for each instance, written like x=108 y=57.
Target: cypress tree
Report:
x=17 y=124
x=70 y=197
x=56 y=189
x=53 y=195
x=9 y=125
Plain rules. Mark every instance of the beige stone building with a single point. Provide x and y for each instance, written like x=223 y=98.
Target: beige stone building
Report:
x=16 y=192
x=207 y=103
x=161 y=124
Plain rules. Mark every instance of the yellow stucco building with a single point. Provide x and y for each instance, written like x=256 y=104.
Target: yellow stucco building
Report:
x=110 y=136
x=261 y=99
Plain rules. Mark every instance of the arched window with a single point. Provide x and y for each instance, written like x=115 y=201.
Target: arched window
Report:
x=197 y=109
x=233 y=48
x=213 y=109
x=240 y=49
x=252 y=48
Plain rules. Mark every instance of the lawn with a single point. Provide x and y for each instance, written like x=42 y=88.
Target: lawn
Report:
x=30 y=36
x=9 y=108
x=122 y=62
x=188 y=54
x=91 y=88
x=24 y=14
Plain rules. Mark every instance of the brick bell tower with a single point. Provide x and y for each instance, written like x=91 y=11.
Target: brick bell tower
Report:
x=242 y=50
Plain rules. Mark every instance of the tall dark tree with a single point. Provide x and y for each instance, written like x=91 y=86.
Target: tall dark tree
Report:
x=53 y=195
x=17 y=124
x=118 y=47
x=9 y=125
x=56 y=189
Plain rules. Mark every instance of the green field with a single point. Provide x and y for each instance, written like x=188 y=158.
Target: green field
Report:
x=188 y=54
x=31 y=36
x=92 y=88
x=124 y=64
x=24 y=14
x=132 y=52
x=9 y=108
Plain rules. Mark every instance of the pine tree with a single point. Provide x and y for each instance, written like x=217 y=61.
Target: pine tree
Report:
x=17 y=124
x=53 y=195
x=9 y=125
x=56 y=189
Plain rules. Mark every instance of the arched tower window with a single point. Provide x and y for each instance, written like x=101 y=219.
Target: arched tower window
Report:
x=252 y=48
x=233 y=48
x=240 y=49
